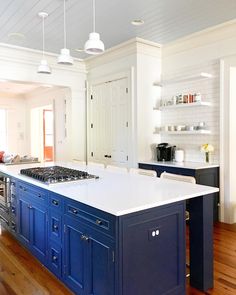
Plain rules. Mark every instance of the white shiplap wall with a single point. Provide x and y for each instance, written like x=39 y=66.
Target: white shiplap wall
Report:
x=210 y=90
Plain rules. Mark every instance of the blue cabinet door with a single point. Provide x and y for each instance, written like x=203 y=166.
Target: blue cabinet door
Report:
x=38 y=231
x=24 y=221
x=101 y=264
x=74 y=256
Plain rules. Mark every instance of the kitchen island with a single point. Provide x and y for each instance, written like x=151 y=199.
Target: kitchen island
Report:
x=121 y=234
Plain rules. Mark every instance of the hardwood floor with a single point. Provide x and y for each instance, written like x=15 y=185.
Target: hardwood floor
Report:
x=22 y=274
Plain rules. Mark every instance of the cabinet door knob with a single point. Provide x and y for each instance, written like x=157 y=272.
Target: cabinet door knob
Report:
x=105 y=156
x=55 y=202
x=55 y=227
x=98 y=222
x=74 y=211
x=54 y=258
x=30 y=206
x=85 y=238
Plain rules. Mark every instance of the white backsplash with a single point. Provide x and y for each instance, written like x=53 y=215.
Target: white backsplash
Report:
x=210 y=90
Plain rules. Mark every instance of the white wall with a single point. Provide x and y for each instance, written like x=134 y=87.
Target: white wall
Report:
x=212 y=45
x=55 y=97
x=16 y=123
x=20 y=64
x=148 y=72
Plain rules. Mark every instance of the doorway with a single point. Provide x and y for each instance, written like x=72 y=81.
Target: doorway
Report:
x=48 y=135
x=42 y=133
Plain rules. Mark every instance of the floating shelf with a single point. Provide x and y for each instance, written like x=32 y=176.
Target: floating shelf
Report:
x=194 y=132
x=185 y=105
x=201 y=76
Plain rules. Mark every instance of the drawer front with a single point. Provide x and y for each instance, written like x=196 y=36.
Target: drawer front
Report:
x=55 y=227
x=36 y=194
x=56 y=202
x=55 y=259
x=89 y=215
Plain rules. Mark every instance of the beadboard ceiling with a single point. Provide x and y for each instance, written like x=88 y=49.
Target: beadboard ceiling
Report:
x=165 y=20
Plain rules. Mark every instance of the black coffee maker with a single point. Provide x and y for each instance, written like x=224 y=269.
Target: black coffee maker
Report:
x=165 y=152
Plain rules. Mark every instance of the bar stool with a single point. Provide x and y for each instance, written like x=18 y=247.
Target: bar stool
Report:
x=145 y=172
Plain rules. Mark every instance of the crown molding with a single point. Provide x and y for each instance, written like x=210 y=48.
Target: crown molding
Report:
x=29 y=56
x=202 y=38
x=130 y=47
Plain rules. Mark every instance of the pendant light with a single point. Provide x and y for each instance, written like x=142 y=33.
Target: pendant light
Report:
x=65 y=58
x=94 y=45
x=43 y=68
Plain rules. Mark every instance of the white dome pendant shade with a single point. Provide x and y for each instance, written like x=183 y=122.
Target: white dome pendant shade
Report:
x=65 y=58
x=94 y=45
x=43 y=68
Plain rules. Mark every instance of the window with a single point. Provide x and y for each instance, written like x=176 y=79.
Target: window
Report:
x=3 y=130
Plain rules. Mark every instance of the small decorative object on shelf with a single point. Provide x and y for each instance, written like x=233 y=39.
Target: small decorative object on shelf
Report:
x=207 y=149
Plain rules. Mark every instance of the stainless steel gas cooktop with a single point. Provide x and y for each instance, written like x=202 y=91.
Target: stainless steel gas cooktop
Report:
x=56 y=174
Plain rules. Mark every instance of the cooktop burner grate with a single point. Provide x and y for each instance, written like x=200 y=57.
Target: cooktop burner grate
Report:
x=56 y=174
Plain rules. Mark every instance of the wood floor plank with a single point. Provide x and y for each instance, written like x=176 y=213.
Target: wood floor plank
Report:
x=22 y=274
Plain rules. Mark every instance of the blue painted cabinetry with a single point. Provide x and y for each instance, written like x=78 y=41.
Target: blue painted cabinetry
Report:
x=96 y=253
x=33 y=220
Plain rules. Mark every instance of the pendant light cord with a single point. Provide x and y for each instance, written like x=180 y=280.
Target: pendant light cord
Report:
x=43 y=40
x=94 y=16
x=64 y=23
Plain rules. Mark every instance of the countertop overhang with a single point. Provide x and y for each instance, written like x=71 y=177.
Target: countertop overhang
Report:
x=116 y=193
x=184 y=165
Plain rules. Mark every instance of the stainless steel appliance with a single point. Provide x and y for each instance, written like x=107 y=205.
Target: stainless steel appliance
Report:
x=165 y=152
x=4 y=199
x=56 y=174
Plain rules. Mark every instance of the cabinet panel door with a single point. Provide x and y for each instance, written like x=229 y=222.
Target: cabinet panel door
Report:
x=156 y=240
x=101 y=265
x=39 y=231
x=24 y=221
x=75 y=253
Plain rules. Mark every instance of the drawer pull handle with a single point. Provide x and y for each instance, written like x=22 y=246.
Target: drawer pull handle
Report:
x=98 y=222
x=74 y=211
x=85 y=238
x=55 y=202
x=30 y=207
x=55 y=227
x=54 y=258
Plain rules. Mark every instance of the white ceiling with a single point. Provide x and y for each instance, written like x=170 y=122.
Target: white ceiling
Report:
x=165 y=20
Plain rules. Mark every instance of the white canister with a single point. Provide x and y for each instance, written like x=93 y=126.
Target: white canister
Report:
x=179 y=155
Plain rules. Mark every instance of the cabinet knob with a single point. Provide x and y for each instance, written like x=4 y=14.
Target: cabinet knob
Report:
x=74 y=211
x=85 y=238
x=55 y=202
x=98 y=222
x=55 y=227
x=30 y=206
x=109 y=156
x=54 y=258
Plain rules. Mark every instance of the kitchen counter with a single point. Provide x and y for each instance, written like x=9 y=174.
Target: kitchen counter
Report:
x=186 y=165
x=117 y=193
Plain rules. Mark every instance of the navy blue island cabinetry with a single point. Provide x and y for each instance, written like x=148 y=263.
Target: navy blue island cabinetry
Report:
x=97 y=253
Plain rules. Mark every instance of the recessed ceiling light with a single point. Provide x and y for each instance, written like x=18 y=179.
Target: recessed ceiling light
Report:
x=16 y=35
x=137 y=22
x=79 y=49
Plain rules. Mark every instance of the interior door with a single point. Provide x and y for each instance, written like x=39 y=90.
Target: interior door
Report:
x=108 y=126
x=48 y=135
x=119 y=123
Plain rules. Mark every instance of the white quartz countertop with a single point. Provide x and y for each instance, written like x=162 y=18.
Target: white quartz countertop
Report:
x=114 y=192
x=186 y=165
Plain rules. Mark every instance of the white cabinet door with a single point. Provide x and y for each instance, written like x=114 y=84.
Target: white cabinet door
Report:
x=108 y=123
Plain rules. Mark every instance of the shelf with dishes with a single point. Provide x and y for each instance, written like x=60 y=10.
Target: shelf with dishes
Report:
x=185 y=132
x=199 y=128
x=183 y=105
